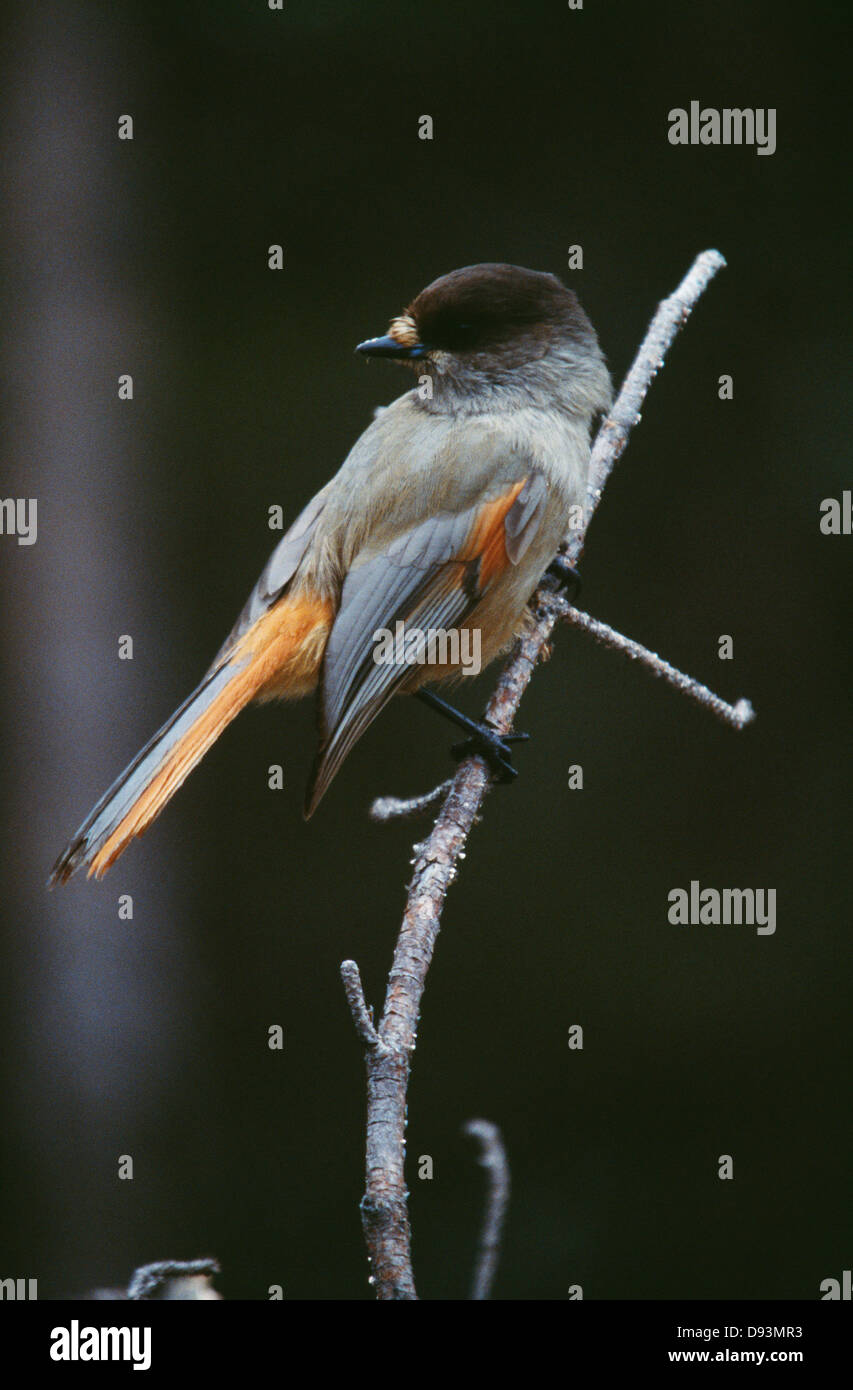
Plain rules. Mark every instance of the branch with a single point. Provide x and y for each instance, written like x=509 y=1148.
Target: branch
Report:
x=174 y=1279
x=611 y=439
x=362 y=1017
x=493 y=1159
x=386 y=808
x=737 y=715
x=393 y=807
x=384 y=1210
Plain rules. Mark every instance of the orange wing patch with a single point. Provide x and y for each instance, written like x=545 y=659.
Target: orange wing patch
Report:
x=487 y=541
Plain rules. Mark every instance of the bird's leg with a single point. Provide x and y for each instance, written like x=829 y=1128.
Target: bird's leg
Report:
x=563 y=579
x=482 y=738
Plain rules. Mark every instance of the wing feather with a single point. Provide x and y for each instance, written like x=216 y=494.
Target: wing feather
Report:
x=277 y=573
x=431 y=577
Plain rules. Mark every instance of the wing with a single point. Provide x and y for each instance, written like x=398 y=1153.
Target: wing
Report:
x=277 y=573
x=432 y=576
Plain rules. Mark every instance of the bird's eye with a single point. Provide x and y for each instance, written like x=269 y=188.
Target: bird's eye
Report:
x=452 y=334
x=460 y=334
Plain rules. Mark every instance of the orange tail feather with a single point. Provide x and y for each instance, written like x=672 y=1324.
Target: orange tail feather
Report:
x=279 y=656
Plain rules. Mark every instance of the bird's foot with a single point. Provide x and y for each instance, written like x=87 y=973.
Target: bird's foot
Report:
x=494 y=747
x=563 y=579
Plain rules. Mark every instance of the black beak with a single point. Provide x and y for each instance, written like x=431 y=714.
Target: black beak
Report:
x=389 y=347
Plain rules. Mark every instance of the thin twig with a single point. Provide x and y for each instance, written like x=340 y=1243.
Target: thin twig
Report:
x=737 y=715
x=384 y=1209
x=362 y=1017
x=493 y=1159
x=386 y=808
x=612 y=437
x=395 y=807
x=148 y=1280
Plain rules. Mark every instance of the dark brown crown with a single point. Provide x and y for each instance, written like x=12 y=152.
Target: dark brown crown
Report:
x=485 y=306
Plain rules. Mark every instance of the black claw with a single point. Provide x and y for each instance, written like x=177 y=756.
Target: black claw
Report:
x=482 y=738
x=492 y=746
x=563 y=578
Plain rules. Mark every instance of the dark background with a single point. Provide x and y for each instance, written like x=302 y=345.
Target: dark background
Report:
x=148 y=1037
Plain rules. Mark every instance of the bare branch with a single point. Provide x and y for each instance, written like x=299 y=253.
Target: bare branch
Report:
x=174 y=1279
x=736 y=715
x=386 y=808
x=384 y=1209
x=362 y=1017
x=493 y=1159
x=672 y=315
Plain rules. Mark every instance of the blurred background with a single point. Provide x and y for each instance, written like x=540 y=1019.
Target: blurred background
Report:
x=149 y=1037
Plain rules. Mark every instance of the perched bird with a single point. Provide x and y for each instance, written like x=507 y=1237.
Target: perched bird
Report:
x=443 y=517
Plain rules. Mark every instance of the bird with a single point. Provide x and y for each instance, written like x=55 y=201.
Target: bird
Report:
x=443 y=518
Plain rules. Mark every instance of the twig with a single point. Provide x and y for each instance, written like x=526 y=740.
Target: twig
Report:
x=386 y=808
x=384 y=1211
x=362 y=1017
x=394 y=807
x=148 y=1280
x=737 y=715
x=672 y=315
x=493 y=1159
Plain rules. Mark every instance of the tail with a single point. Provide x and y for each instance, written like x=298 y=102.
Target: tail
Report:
x=279 y=655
